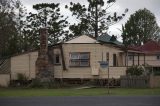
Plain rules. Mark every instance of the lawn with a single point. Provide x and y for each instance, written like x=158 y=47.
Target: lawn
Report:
x=76 y=92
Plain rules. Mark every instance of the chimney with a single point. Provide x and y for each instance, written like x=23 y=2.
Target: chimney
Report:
x=42 y=64
x=43 y=42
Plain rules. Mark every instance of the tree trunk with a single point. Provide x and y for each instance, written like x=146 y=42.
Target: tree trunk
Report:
x=96 y=22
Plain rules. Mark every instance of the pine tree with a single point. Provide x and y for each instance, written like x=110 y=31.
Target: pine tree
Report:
x=48 y=15
x=94 y=18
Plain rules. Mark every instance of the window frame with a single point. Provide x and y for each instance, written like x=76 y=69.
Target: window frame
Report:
x=79 y=61
x=55 y=63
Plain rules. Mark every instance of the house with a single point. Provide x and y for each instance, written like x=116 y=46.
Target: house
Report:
x=75 y=59
x=147 y=54
x=78 y=59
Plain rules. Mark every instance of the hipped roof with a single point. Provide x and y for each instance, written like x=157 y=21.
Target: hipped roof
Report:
x=104 y=38
x=109 y=39
x=150 y=47
x=83 y=39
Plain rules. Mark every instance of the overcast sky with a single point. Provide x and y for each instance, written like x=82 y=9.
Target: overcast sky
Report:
x=119 y=6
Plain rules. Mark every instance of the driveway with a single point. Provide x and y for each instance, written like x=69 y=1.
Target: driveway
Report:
x=82 y=101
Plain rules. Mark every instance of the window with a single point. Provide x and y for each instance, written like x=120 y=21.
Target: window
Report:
x=80 y=59
x=57 y=59
x=130 y=57
x=156 y=70
x=114 y=60
x=158 y=57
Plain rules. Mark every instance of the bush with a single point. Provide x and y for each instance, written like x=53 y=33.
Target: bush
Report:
x=36 y=84
x=21 y=81
x=135 y=71
x=21 y=77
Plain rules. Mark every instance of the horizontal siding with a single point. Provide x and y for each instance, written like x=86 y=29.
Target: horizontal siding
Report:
x=24 y=64
x=95 y=51
x=114 y=72
x=4 y=80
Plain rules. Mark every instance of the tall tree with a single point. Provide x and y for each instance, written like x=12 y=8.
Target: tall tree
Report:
x=8 y=33
x=94 y=18
x=8 y=28
x=48 y=15
x=140 y=27
x=21 y=13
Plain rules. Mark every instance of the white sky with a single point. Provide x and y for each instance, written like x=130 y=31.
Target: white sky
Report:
x=119 y=6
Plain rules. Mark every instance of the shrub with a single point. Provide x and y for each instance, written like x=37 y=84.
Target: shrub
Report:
x=36 y=84
x=135 y=70
x=21 y=77
x=21 y=81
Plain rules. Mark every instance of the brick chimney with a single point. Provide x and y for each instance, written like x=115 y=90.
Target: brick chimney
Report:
x=43 y=42
x=42 y=64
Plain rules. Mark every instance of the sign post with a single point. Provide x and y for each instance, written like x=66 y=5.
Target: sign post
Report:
x=105 y=65
x=107 y=59
x=108 y=79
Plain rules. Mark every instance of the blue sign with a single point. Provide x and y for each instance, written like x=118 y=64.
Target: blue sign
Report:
x=103 y=64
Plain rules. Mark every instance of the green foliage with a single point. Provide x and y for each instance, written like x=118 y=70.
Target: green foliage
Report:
x=140 y=27
x=48 y=15
x=8 y=33
x=22 y=81
x=37 y=83
x=20 y=34
x=135 y=70
x=21 y=77
x=76 y=92
x=10 y=23
x=94 y=18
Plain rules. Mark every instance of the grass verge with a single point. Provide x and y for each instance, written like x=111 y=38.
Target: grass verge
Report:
x=10 y=92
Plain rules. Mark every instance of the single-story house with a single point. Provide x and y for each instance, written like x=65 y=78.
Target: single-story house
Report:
x=79 y=58
x=76 y=58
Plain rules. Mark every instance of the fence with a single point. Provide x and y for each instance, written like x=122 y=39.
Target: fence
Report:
x=5 y=66
x=5 y=72
x=134 y=81
x=154 y=81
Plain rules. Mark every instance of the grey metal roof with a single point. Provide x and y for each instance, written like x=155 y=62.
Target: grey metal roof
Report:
x=105 y=38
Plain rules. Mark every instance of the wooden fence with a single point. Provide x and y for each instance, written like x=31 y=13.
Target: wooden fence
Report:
x=134 y=81
x=154 y=81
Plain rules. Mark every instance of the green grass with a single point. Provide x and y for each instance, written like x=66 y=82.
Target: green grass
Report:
x=76 y=92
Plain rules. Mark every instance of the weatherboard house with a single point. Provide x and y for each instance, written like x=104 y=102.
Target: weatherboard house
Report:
x=79 y=59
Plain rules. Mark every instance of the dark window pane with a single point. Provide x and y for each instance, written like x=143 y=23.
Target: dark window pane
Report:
x=84 y=63
x=74 y=56
x=74 y=62
x=57 y=59
x=84 y=56
x=158 y=57
x=130 y=57
x=114 y=60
